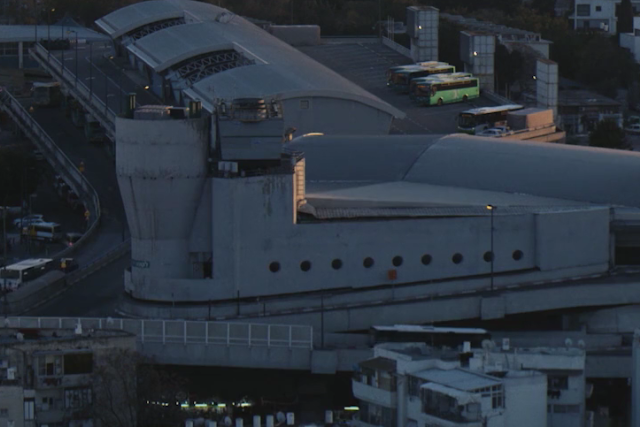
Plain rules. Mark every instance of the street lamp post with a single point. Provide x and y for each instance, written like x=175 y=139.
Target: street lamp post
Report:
x=491 y=208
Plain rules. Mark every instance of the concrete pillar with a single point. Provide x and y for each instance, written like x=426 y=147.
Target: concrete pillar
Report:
x=256 y=421
x=422 y=27
x=212 y=423
x=269 y=420
x=635 y=380
x=547 y=85
x=20 y=56
x=328 y=417
x=401 y=397
x=291 y=420
x=239 y=422
x=477 y=51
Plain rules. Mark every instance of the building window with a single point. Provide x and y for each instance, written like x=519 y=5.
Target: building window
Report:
x=29 y=410
x=414 y=386
x=305 y=265
x=78 y=363
x=557 y=382
x=368 y=262
x=274 y=267
x=77 y=398
x=426 y=259
x=304 y=104
x=397 y=261
x=49 y=365
x=598 y=8
x=584 y=9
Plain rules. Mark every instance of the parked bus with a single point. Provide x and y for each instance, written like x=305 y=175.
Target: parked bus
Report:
x=478 y=119
x=399 y=78
x=43 y=231
x=14 y=275
x=422 y=80
x=446 y=91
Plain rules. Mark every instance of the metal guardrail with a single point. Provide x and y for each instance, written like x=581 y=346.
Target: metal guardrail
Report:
x=88 y=99
x=182 y=331
x=58 y=160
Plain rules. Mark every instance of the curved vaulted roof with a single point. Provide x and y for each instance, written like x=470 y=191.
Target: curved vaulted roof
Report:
x=462 y=169
x=275 y=68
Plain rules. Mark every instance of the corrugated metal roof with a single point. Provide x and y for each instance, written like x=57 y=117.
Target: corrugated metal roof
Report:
x=457 y=378
x=280 y=70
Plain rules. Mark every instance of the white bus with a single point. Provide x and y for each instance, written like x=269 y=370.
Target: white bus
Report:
x=43 y=231
x=14 y=275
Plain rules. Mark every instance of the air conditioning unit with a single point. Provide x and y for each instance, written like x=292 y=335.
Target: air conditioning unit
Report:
x=11 y=373
x=506 y=343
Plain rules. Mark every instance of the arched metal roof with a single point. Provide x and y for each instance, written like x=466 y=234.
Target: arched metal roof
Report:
x=554 y=171
x=271 y=68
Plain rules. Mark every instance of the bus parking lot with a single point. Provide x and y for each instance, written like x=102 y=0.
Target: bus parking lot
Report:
x=365 y=64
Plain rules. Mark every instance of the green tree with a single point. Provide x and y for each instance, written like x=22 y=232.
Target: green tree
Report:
x=19 y=175
x=607 y=134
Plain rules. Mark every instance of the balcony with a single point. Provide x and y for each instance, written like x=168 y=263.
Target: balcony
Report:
x=374 y=395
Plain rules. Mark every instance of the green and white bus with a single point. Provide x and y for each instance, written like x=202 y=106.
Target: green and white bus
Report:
x=399 y=78
x=413 y=87
x=478 y=119
x=446 y=91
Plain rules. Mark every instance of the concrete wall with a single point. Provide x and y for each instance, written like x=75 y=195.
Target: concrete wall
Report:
x=477 y=51
x=525 y=399
x=422 y=27
x=161 y=168
x=11 y=399
x=327 y=115
x=631 y=42
x=547 y=84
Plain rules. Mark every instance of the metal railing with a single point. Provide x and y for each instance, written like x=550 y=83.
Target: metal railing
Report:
x=183 y=332
x=89 y=100
x=58 y=160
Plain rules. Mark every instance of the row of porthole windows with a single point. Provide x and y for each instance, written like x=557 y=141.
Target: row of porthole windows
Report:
x=397 y=261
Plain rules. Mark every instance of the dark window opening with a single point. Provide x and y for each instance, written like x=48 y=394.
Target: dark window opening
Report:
x=488 y=256
x=336 y=264
x=78 y=363
x=397 y=261
x=517 y=255
x=305 y=265
x=426 y=259
x=274 y=267
x=627 y=255
x=207 y=270
x=368 y=262
x=456 y=258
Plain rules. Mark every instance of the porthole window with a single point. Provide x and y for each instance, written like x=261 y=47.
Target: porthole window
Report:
x=517 y=255
x=336 y=264
x=488 y=256
x=305 y=265
x=456 y=258
x=274 y=267
x=368 y=262
x=397 y=261
x=426 y=259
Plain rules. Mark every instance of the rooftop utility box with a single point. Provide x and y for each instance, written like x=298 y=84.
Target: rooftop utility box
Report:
x=530 y=118
x=297 y=35
x=250 y=129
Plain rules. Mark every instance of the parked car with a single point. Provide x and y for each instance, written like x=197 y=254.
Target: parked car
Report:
x=67 y=265
x=496 y=131
x=70 y=239
x=27 y=220
x=634 y=129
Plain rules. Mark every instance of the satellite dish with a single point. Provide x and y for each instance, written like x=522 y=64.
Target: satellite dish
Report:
x=281 y=417
x=581 y=344
x=227 y=421
x=568 y=342
x=488 y=345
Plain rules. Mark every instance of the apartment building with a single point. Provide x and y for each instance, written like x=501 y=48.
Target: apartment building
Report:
x=411 y=384
x=46 y=375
